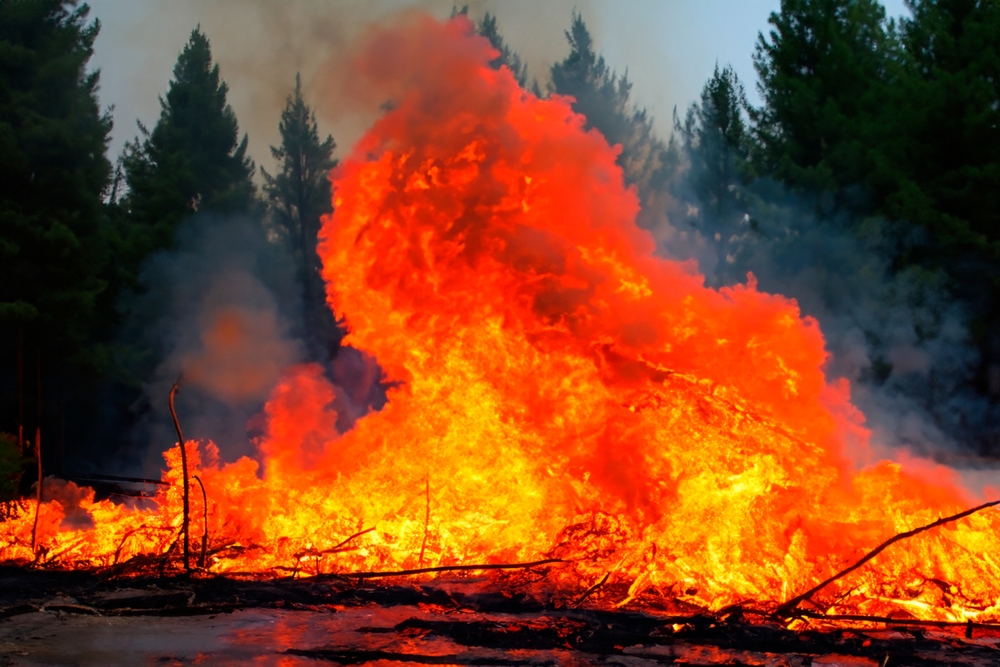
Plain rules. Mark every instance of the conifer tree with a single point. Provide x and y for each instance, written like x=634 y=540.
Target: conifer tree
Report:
x=298 y=195
x=715 y=138
x=490 y=29
x=823 y=71
x=947 y=109
x=603 y=98
x=193 y=160
x=53 y=242
x=53 y=175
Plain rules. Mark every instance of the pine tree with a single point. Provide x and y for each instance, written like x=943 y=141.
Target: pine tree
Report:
x=298 y=195
x=948 y=112
x=53 y=241
x=944 y=153
x=509 y=58
x=53 y=175
x=603 y=98
x=192 y=160
x=823 y=72
x=716 y=141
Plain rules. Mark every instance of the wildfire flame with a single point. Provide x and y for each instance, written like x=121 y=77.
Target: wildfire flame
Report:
x=561 y=392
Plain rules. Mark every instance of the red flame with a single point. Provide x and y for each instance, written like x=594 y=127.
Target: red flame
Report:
x=561 y=391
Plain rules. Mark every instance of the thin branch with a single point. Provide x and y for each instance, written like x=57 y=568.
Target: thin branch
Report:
x=184 y=472
x=334 y=549
x=590 y=591
x=786 y=608
x=894 y=621
x=204 y=535
x=450 y=568
x=427 y=518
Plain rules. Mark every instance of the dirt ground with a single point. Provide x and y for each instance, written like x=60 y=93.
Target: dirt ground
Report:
x=79 y=619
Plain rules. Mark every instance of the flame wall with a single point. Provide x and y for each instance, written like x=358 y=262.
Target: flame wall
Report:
x=562 y=392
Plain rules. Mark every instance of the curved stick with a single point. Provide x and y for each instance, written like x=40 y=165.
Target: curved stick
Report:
x=204 y=535
x=184 y=471
x=786 y=608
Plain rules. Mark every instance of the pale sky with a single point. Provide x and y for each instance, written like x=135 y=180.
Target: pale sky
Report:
x=669 y=48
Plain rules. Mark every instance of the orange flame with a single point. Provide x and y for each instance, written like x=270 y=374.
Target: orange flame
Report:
x=561 y=391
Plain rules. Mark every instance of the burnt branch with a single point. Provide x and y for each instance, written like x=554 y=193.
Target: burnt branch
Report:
x=184 y=472
x=204 y=535
x=862 y=618
x=448 y=568
x=427 y=519
x=590 y=591
x=335 y=549
x=786 y=608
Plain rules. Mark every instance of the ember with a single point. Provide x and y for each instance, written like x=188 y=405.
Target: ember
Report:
x=562 y=394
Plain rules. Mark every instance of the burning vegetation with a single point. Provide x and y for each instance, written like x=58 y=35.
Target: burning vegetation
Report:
x=562 y=397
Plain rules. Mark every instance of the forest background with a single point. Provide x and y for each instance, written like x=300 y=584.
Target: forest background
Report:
x=863 y=181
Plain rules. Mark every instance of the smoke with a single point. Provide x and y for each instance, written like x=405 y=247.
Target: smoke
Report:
x=260 y=45
x=222 y=314
x=898 y=336
x=69 y=496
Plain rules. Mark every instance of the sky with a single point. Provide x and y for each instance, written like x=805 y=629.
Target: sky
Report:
x=668 y=47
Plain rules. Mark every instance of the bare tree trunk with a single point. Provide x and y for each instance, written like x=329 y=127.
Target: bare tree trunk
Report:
x=20 y=389
x=38 y=445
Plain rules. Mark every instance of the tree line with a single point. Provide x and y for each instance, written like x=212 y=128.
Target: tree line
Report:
x=880 y=134
x=75 y=229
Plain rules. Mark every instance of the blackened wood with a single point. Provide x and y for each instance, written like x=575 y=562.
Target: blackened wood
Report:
x=184 y=473
x=427 y=518
x=786 y=609
x=590 y=591
x=448 y=568
x=204 y=535
x=38 y=448
x=336 y=548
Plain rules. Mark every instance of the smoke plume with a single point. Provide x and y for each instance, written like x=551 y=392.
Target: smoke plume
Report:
x=897 y=336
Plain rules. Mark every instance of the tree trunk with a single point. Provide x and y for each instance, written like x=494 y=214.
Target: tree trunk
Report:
x=38 y=444
x=20 y=389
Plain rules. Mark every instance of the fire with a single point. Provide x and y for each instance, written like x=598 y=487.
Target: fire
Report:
x=561 y=392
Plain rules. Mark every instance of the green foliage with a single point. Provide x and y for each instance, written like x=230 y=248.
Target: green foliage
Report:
x=192 y=160
x=716 y=141
x=12 y=466
x=297 y=196
x=53 y=174
x=946 y=164
x=823 y=71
